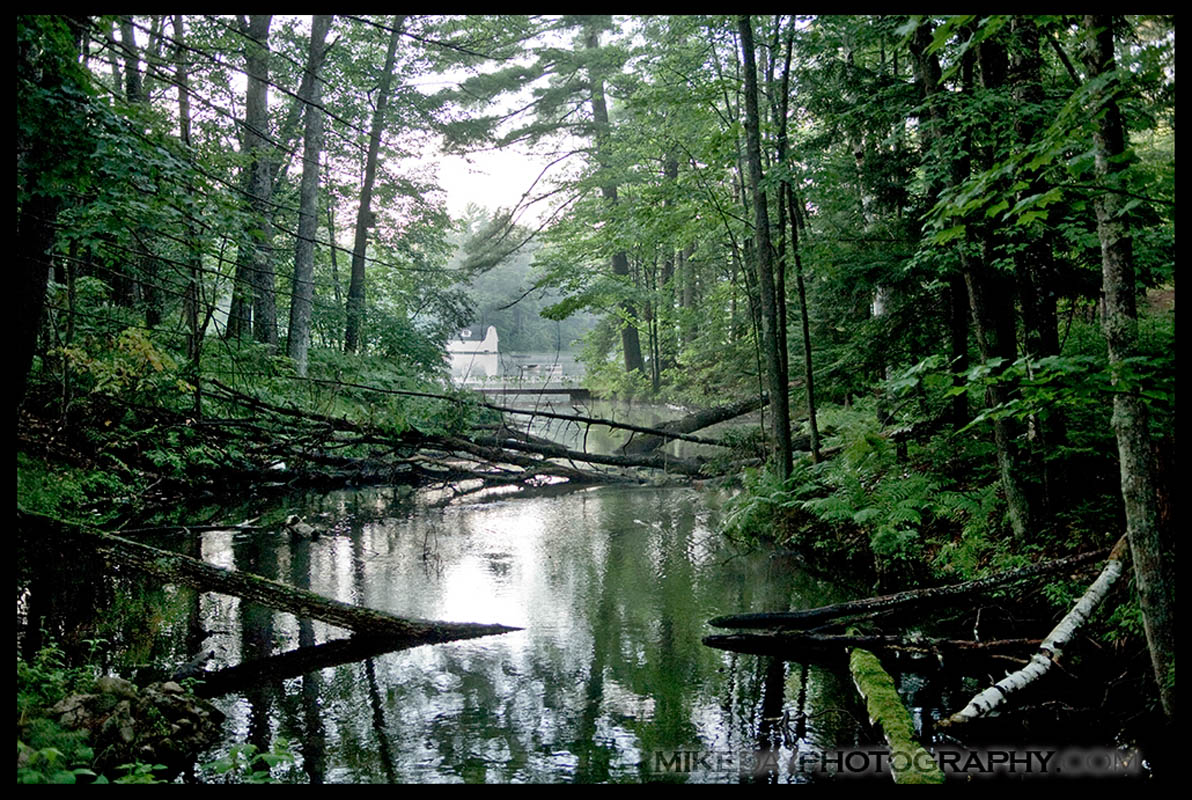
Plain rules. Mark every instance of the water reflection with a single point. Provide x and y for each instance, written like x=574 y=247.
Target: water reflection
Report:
x=612 y=588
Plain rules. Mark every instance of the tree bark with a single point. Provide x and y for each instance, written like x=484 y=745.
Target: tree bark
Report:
x=776 y=370
x=912 y=599
x=909 y=762
x=1050 y=649
x=693 y=422
x=365 y=218
x=630 y=341
x=298 y=342
x=36 y=234
x=990 y=297
x=1034 y=270
x=1120 y=325
x=795 y=645
x=928 y=74
x=177 y=568
x=253 y=284
x=264 y=302
x=143 y=280
x=192 y=297
x=304 y=661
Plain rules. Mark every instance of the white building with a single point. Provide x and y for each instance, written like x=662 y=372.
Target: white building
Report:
x=473 y=356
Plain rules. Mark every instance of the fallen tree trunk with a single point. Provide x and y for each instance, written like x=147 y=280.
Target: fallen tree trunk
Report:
x=913 y=599
x=660 y=432
x=1041 y=662
x=794 y=645
x=302 y=661
x=237 y=396
x=177 y=568
x=690 y=467
x=495 y=450
x=533 y=466
x=909 y=762
x=693 y=422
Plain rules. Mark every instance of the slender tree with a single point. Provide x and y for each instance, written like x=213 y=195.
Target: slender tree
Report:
x=253 y=303
x=301 y=299
x=630 y=342
x=1120 y=324
x=365 y=218
x=776 y=370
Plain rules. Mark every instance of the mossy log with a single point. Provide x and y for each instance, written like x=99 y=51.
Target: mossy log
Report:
x=177 y=568
x=909 y=761
x=1050 y=649
x=912 y=600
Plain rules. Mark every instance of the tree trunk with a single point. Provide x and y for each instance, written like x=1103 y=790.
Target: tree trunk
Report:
x=253 y=254
x=36 y=233
x=928 y=74
x=912 y=599
x=334 y=244
x=693 y=422
x=800 y=646
x=298 y=342
x=991 y=300
x=795 y=208
x=909 y=762
x=669 y=345
x=630 y=341
x=1120 y=324
x=193 y=296
x=1050 y=649
x=776 y=370
x=1034 y=269
x=264 y=303
x=143 y=280
x=177 y=568
x=364 y=214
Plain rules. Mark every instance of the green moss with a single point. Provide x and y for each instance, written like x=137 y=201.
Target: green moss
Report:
x=908 y=760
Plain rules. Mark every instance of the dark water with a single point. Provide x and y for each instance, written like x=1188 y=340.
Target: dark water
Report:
x=612 y=587
x=607 y=681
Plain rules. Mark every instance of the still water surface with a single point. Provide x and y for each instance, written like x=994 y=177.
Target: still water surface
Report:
x=612 y=588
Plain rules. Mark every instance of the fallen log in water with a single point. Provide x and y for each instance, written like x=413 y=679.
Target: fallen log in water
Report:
x=690 y=467
x=909 y=762
x=914 y=599
x=302 y=661
x=797 y=646
x=177 y=568
x=1050 y=649
x=698 y=420
x=494 y=450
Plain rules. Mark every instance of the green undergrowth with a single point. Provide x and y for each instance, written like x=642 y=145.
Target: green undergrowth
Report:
x=48 y=753
x=109 y=422
x=926 y=512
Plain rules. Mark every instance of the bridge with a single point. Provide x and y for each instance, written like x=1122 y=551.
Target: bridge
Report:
x=577 y=393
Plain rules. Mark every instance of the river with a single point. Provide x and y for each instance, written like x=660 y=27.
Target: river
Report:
x=607 y=680
x=612 y=588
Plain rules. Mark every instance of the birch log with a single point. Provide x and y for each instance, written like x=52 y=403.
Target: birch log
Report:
x=1052 y=646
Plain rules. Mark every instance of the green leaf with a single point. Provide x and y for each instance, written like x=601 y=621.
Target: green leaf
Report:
x=948 y=234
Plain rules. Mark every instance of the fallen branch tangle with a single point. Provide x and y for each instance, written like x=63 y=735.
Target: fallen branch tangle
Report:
x=501 y=456
x=1042 y=661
